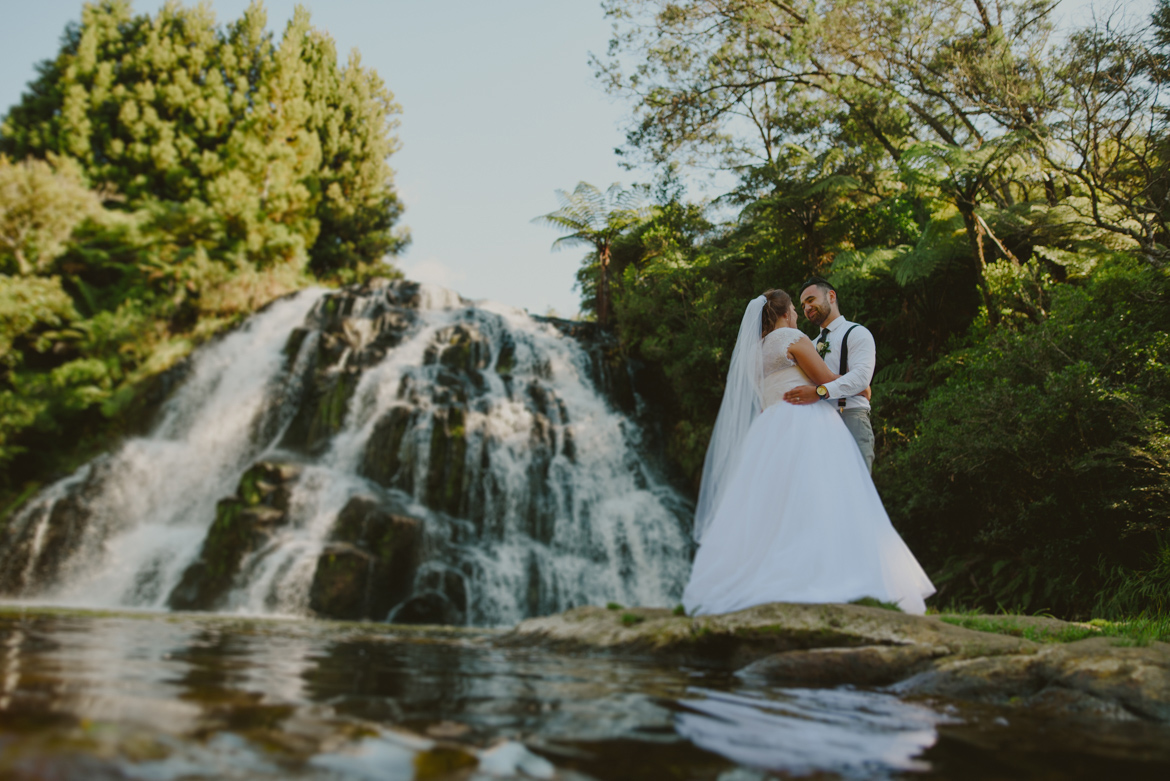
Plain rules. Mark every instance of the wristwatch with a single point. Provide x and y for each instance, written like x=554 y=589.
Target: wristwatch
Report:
x=822 y=392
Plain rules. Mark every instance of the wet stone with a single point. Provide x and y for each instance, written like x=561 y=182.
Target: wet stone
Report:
x=430 y=607
x=244 y=523
x=383 y=458
x=28 y=567
x=369 y=564
x=506 y=358
x=440 y=597
x=292 y=347
x=1136 y=679
x=322 y=411
x=447 y=461
x=342 y=582
x=874 y=665
x=461 y=348
x=347 y=345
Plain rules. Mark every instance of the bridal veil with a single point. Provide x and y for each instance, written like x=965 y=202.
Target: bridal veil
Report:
x=740 y=406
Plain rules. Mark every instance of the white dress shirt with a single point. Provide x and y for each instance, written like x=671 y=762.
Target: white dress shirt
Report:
x=862 y=362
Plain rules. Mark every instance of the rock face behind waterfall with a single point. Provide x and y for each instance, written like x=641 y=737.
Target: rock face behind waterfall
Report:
x=386 y=451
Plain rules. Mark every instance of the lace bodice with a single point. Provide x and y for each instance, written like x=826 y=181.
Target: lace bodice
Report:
x=780 y=372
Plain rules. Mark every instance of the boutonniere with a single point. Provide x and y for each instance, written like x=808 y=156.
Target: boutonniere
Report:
x=824 y=348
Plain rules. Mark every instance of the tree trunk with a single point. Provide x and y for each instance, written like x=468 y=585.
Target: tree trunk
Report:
x=603 y=287
x=975 y=235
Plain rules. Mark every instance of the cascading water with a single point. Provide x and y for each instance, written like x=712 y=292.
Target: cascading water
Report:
x=123 y=526
x=391 y=452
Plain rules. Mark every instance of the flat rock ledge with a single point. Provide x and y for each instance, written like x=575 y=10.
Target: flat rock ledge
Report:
x=833 y=645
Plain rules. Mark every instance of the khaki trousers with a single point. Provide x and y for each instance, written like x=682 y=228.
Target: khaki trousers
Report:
x=857 y=421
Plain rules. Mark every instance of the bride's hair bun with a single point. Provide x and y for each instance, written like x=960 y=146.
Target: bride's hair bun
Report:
x=776 y=306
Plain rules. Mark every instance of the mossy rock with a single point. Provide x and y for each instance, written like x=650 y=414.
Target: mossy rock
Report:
x=243 y=524
x=383 y=460
x=460 y=347
x=447 y=461
x=268 y=483
x=208 y=579
x=369 y=564
x=1105 y=679
x=738 y=639
x=322 y=411
x=506 y=359
x=342 y=582
x=292 y=347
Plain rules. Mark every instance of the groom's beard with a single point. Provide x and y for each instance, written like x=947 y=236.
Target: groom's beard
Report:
x=818 y=315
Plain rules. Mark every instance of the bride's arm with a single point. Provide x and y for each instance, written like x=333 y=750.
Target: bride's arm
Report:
x=812 y=364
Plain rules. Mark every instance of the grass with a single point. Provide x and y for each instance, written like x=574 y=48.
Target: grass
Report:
x=1133 y=632
x=1010 y=626
x=874 y=602
x=629 y=619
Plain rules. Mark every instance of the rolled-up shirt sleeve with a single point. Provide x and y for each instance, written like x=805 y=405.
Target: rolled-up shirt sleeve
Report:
x=862 y=362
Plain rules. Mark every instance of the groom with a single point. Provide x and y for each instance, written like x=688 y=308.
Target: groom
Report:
x=840 y=339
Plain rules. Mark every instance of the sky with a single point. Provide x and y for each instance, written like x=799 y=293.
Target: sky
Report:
x=500 y=109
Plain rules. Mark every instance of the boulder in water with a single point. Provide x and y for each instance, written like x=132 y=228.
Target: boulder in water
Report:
x=430 y=607
x=440 y=597
x=243 y=524
x=341 y=584
x=369 y=564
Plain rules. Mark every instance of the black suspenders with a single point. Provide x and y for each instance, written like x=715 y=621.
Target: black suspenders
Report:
x=844 y=368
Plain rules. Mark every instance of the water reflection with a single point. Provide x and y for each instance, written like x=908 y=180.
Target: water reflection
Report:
x=855 y=734
x=162 y=696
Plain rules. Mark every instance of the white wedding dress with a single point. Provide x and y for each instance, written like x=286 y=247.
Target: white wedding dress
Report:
x=799 y=519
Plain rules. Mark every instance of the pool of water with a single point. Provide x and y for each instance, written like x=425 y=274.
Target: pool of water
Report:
x=173 y=696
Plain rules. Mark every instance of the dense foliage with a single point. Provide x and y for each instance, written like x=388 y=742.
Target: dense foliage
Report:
x=161 y=177
x=990 y=201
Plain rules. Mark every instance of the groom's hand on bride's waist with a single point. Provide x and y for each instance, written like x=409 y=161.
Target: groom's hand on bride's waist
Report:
x=801 y=394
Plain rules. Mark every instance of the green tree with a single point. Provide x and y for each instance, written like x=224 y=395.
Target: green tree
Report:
x=355 y=116
x=258 y=149
x=1042 y=462
x=39 y=209
x=596 y=219
x=173 y=175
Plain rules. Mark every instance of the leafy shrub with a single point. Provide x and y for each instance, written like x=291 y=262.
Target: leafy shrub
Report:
x=1045 y=455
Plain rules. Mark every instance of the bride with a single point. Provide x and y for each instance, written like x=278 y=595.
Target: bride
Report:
x=787 y=510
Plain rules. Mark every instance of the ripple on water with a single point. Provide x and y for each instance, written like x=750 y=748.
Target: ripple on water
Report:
x=852 y=733
x=165 y=696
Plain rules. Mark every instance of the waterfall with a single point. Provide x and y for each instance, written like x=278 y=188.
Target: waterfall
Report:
x=394 y=452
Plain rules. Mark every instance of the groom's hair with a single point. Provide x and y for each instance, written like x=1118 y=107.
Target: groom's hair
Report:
x=824 y=284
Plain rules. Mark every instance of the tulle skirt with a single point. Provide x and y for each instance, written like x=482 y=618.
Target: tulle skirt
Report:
x=801 y=521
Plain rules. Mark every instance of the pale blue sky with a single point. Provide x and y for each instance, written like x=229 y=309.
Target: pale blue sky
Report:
x=500 y=109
